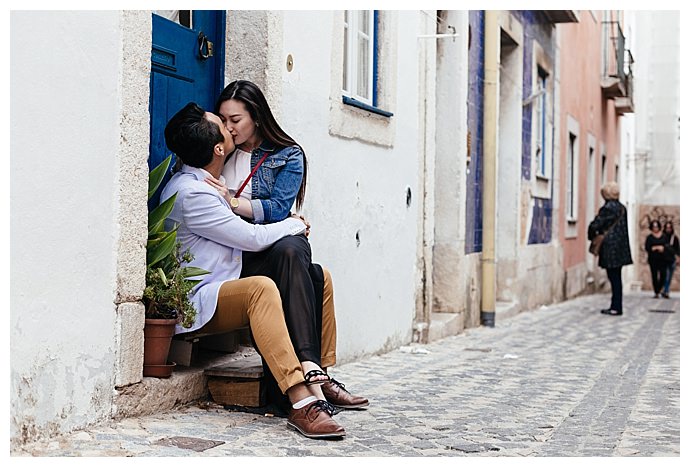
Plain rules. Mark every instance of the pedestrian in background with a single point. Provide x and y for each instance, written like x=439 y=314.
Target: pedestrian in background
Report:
x=654 y=245
x=612 y=222
x=672 y=254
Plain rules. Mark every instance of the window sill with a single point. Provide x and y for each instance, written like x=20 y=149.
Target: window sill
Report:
x=542 y=178
x=571 y=221
x=367 y=107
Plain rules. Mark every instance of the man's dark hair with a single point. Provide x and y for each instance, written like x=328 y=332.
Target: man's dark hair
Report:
x=191 y=137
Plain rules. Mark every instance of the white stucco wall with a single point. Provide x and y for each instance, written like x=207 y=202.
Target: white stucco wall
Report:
x=450 y=184
x=65 y=139
x=657 y=105
x=357 y=188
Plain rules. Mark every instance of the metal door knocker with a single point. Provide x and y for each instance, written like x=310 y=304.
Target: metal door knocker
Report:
x=205 y=46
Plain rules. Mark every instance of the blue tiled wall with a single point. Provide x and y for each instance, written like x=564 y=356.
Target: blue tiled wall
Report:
x=535 y=27
x=475 y=119
x=542 y=214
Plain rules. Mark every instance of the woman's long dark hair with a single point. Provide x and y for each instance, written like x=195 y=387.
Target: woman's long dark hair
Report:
x=257 y=106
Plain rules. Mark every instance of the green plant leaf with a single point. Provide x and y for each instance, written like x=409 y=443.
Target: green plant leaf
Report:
x=161 y=273
x=157 y=174
x=160 y=213
x=192 y=271
x=161 y=249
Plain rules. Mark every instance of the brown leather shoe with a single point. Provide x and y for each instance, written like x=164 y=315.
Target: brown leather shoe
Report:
x=313 y=421
x=337 y=395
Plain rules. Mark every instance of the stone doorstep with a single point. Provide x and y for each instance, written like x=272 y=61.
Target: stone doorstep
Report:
x=445 y=324
x=238 y=383
x=188 y=383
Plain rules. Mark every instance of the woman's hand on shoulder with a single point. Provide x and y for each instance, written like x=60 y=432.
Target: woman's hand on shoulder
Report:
x=224 y=191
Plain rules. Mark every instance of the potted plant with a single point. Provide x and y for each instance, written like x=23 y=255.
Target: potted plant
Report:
x=168 y=283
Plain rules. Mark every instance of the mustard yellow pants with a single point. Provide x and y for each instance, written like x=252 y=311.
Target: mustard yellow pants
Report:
x=328 y=328
x=255 y=301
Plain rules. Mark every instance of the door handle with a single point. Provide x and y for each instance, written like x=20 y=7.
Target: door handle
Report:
x=205 y=46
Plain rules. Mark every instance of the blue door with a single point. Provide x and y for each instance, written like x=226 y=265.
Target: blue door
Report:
x=187 y=59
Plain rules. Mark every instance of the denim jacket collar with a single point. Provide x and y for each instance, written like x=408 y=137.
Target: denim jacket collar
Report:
x=266 y=146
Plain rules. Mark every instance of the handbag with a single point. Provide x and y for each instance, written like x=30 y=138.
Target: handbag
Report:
x=598 y=239
x=595 y=246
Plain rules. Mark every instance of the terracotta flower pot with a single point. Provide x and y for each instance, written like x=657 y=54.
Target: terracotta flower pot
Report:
x=158 y=334
x=159 y=371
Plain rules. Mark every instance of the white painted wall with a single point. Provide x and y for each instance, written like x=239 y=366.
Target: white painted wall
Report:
x=657 y=105
x=65 y=223
x=509 y=160
x=628 y=164
x=450 y=183
x=357 y=187
x=63 y=245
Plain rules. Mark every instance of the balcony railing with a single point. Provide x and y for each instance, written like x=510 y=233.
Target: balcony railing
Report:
x=614 y=80
x=625 y=104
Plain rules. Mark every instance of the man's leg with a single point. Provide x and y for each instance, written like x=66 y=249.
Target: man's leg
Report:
x=328 y=325
x=256 y=301
x=333 y=391
x=670 y=268
x=288 y=263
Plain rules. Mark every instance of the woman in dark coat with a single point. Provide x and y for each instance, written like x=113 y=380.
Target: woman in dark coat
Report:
x=654 y=245
x=612 y=220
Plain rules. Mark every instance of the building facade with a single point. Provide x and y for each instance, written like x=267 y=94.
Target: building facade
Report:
x=437 y=144
x=596 y=94
x=655 y=158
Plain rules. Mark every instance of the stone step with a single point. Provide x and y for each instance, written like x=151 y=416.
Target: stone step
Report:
x=238 y=383
x=445 y=324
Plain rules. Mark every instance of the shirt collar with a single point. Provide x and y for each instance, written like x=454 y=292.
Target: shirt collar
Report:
x=200 y=174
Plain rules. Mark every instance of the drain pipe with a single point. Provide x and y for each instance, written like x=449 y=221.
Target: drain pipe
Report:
x=491 y=61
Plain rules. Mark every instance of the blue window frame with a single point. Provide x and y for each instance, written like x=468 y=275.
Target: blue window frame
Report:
x=360 y=60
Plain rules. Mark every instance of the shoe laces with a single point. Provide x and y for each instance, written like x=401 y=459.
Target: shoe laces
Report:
x=321 y=406
x=330 y=408
x=339 y=384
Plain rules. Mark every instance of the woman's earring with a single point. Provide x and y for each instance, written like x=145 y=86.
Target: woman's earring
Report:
x=257 y=123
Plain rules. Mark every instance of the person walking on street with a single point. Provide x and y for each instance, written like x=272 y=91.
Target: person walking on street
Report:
x=612 y=222
x=672 y=254
x=655 y=246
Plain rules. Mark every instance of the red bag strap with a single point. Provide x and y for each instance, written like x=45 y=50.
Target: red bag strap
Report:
x=237 y=195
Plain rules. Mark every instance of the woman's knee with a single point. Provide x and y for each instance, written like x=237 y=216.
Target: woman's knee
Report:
x=293 y=247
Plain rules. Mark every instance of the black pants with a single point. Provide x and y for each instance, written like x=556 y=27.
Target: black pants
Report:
x=616 y=288
x=300 y=283
x=658 y=270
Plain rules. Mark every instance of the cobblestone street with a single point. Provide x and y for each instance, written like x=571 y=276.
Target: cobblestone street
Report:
x=563 y=380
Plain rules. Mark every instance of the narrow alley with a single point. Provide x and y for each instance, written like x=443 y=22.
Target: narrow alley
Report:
x=563 y=380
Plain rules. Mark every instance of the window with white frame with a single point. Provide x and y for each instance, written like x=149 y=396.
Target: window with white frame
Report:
x=542 y=123
x=359 y=56
x=366 y=44
x=570 y=179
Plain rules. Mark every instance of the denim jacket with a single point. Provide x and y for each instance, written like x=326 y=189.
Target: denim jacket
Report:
x=276 y=183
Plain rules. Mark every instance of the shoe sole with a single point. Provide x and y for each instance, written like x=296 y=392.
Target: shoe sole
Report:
x=356 y=406
x=318 y=436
